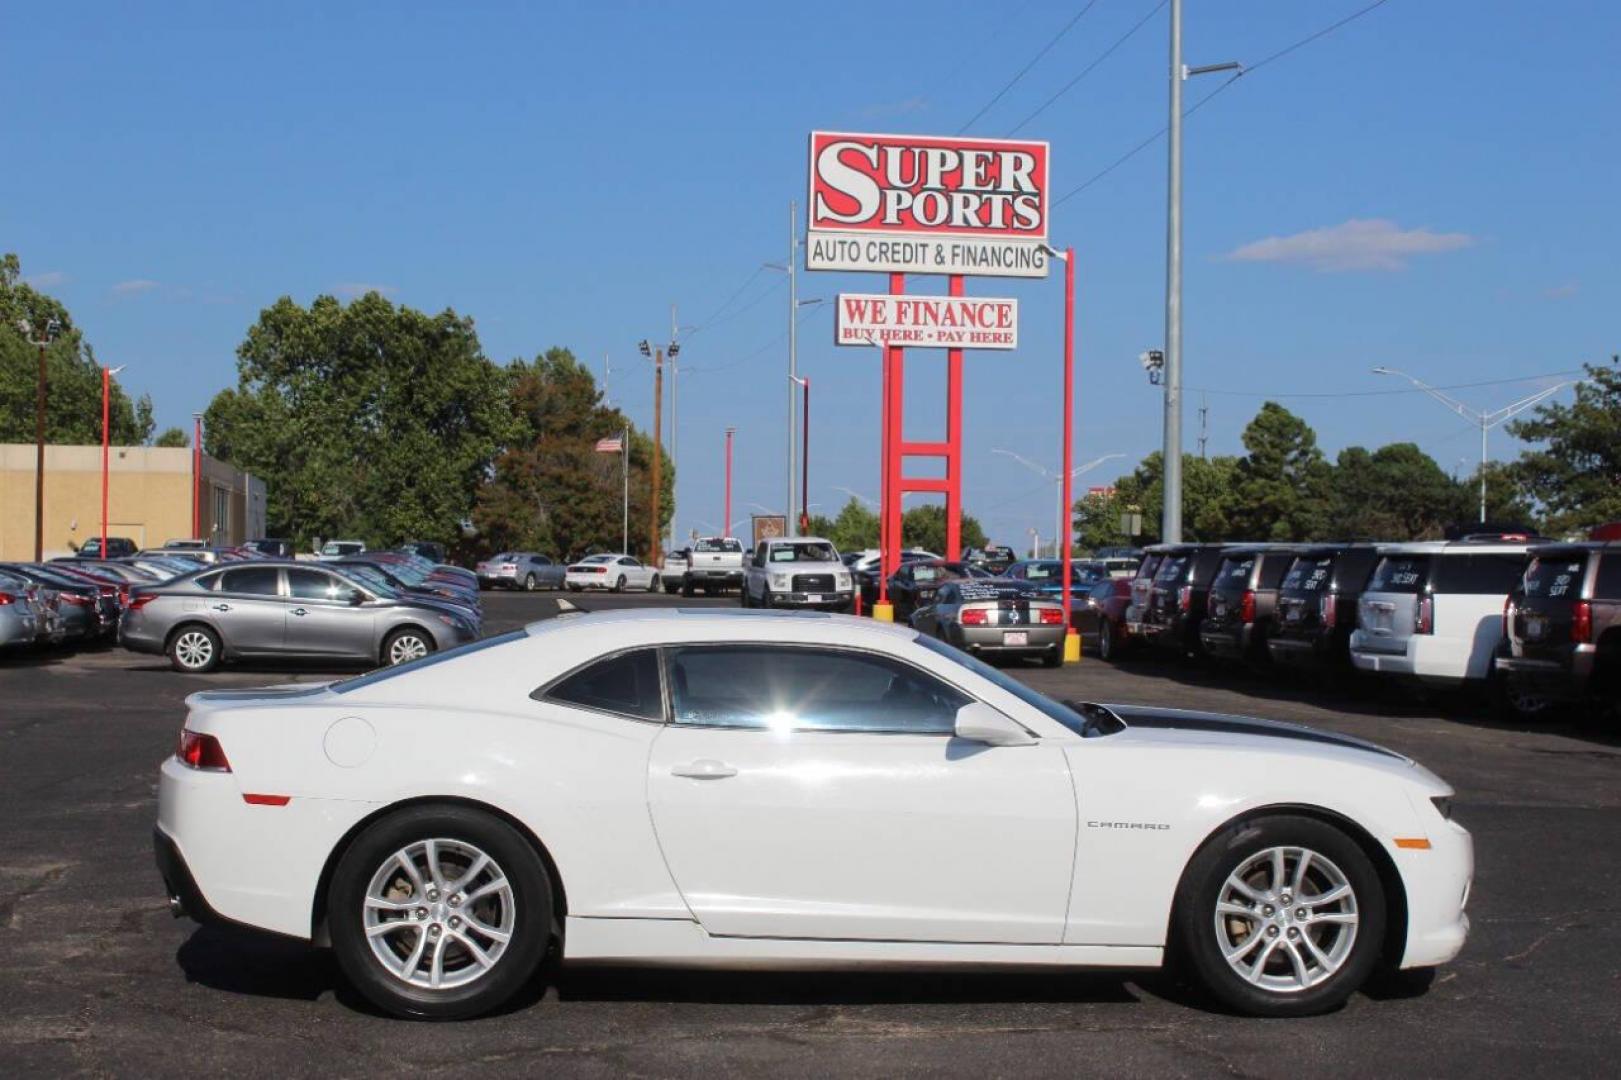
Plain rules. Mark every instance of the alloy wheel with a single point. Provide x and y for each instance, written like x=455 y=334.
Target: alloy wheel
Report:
x=1286 y=919
x=406 y=647
x=194 y=649
x=439 y=914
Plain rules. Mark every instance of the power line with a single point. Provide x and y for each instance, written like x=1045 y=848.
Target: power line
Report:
x=1280 y=54
x=1384 y=393
x=810 y=312
x=1045 y=49
x=1087 y=70
x=706 y=323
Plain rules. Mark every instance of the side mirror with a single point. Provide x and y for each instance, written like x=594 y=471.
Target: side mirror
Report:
x=978 y=722
x=354 y=598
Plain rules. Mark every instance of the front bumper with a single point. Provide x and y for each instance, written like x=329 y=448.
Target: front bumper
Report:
x=1437 y=882
x=831 y=601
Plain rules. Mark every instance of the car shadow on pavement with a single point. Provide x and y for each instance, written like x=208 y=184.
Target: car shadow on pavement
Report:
x=258 y=965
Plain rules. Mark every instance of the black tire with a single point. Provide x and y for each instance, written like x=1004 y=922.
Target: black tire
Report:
x=529 y=583
x=1513 y=703
x=398 y=647
x=619 y=586
x=743 y=597
x=1106 y=647
x=195 y=649
x=686 y=586
x=531 y=902
x=573 y=588
x=1053 y=657
x=765 y=599
x=1197 y=931
x=670 y=586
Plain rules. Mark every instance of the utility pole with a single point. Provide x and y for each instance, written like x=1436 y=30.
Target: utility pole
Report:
x=197 y=475
x=658 y=433
x=793 y=359
x=1204 y=423
x=624 y=480
x=674 y=371
x=52 y=328
x=607 y=375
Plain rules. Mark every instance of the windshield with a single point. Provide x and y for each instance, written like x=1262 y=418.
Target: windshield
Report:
x=1171 y=569
x=809 y=552
x=1053 y=710
x=590 y=559
x=1234 y=572
x=338 y=547
x=374 y=580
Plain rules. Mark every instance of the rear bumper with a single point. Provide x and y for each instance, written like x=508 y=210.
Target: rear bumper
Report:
x=991 y=639
x=1300 y=652
x=1228 y=643
x=1568 y=678
x=729 y=578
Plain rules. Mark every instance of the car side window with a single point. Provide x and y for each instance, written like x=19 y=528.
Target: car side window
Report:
x=251 y=581
x=1102 y=591
x=788 y=688
x=1608 y=585
x=1478 y=575
x=626 y=684
x=313 y=585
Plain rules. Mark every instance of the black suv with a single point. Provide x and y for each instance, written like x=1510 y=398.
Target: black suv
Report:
x=1240 y=611
x=1176 y=600
x=1317 y=605
x=1562 y=626
x=118 y=547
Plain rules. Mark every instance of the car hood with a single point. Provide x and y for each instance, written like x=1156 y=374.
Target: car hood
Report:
x=1185 y=727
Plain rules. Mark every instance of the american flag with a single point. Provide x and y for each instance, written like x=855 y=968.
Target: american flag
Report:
x=611 y=445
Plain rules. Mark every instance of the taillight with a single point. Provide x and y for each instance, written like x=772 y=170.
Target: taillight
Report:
x=1581 y=622
x=972 y=617
x=1424 y=619
x=76 y=599
x=202 y=752
x=1051 y=617
x=1184 y=598
x=140 y=600
x=7 y=598
x=1327 y=610
x=1246 y=607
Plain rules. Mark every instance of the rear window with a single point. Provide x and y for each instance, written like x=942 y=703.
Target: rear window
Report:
x=1558 y=577
x=1148 y=567
x=1308 y=576
x=1171 y=569
x=1234 y=573
x=1609 y=576
x=727 y=545
x=1477 y=575
x=1400 y=574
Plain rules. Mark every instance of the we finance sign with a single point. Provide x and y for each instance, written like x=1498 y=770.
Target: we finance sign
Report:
x=937 y=322
x=921 y=204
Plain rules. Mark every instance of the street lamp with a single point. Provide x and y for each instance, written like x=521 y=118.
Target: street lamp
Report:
x=197 y=474
x=854 y=494
x=1063 y=511
x=49 y=333
x=657 y=353
x=804 y=456
x=1484 y=420
x=107 y=374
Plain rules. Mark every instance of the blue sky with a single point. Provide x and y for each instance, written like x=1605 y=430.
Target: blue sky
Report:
x=1430 y=187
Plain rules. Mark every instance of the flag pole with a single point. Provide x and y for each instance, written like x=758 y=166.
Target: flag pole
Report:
x=624 y=470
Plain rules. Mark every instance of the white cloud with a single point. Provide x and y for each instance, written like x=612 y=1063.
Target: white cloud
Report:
x=1358 y=244
x=46 y=280
x=134 y=287
x=353 y=289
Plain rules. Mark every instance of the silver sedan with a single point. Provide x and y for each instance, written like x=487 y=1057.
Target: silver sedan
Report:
x=285 y=609
x=995 y=617
x=21 y=616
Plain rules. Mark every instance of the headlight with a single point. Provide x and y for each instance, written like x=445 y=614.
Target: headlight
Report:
x=841 y=581
x=779 y=581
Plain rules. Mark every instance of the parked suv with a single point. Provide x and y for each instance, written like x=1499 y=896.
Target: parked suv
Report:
x=118 y=547
x=1142 y=584
x=1563 y=626
x=1434 y=611
x=1240 y=613
x=1317 y=602
x=1176 y=601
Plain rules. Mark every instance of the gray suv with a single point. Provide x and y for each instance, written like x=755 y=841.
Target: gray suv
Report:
x=285 y=609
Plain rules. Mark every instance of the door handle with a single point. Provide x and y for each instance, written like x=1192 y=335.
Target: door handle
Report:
x=298 y=611
x=222 y=607
x=704 y=769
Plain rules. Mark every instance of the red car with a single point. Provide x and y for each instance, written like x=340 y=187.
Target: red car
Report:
x=1100 y=618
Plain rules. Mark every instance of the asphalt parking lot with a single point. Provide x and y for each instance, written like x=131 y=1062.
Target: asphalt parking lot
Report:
x=98 y=978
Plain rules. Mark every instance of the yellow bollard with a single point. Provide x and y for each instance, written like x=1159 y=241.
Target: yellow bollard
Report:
x=883 y=612
x=1072 y=647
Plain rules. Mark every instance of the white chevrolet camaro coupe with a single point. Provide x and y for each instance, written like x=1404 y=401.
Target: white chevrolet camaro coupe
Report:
x=756 y=789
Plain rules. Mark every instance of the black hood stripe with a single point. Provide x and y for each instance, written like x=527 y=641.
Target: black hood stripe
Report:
x=1243 y=725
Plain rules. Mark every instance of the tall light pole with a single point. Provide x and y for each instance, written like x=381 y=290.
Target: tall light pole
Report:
x=1171 y=530
x=656 y=354
x=804 y=456
x=1057 y=478
x=48 y=334
x=727 y=516
x=197 y=475
x=1483 y=420
x=107 y=374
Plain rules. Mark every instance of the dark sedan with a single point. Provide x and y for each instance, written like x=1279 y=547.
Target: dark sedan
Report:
x=1100 y=617
x=914 y=584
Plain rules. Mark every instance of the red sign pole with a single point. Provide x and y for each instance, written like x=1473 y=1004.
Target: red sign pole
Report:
x=726 y=518
x=106 y=394
x=954 y=442
x=1072 y=640
x=197 y=475
x=889 y=524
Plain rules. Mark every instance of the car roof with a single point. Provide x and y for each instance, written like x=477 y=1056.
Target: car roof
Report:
x=1456 y=547
x=724 y=624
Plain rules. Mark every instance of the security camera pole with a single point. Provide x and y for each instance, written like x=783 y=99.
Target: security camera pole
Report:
x=657 y=355
x=51 y=330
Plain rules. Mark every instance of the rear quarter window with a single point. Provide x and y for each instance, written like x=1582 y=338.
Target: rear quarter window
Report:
x=1400 y=574
x=1171 y=569
x=1608 y=586
x=1308 y=576
x=1234 y=573
x=1477 y=575
x=1558 y=577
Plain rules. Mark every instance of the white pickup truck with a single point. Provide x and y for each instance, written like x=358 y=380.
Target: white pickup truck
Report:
x=714 y=564
x=800 y=572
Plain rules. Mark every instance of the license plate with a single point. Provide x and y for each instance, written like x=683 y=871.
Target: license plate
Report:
x=1536 y=627
x=814 y=598
x=1015 y=637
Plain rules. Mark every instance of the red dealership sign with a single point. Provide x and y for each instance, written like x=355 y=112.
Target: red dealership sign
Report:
x=927 y=204
x=938 y=322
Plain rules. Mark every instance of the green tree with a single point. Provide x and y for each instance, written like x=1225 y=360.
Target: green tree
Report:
x=1281 y=488
x=854 y=529
x=1574 y=471
x=1097 y=520
x=1397 y=492
x=1507 y=501
x=365 y=420
x=549 y=489
x=172 y=437
x=72 y=376
x=1205 y=486
x=925 y=527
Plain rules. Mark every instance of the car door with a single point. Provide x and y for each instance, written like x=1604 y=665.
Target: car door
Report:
x=321 y=621
x=817 y=792
x=249 y=610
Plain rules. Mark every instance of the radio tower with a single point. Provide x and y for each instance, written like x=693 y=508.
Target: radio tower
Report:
x=1204 y=416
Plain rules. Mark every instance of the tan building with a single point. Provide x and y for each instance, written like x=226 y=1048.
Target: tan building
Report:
x=148 y=498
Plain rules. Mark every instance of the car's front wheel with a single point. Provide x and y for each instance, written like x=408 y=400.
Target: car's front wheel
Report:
x=439 y=912
x=1281 y=916
x=406 y=645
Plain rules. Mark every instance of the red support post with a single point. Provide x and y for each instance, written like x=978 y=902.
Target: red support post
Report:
x=804 y=459
x=1069 y=439
x=726 y=518
x=889 y=507
x=954 y=442
x=106 y=390
x=197 y=476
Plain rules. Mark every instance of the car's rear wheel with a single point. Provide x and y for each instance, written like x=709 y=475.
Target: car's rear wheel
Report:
x=529 y=583
x=619 y=586
x=1281 y=916
x=686 y=586
x=439 y=912
x=1053 y=657
x=406 y=645
x=195 y=649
